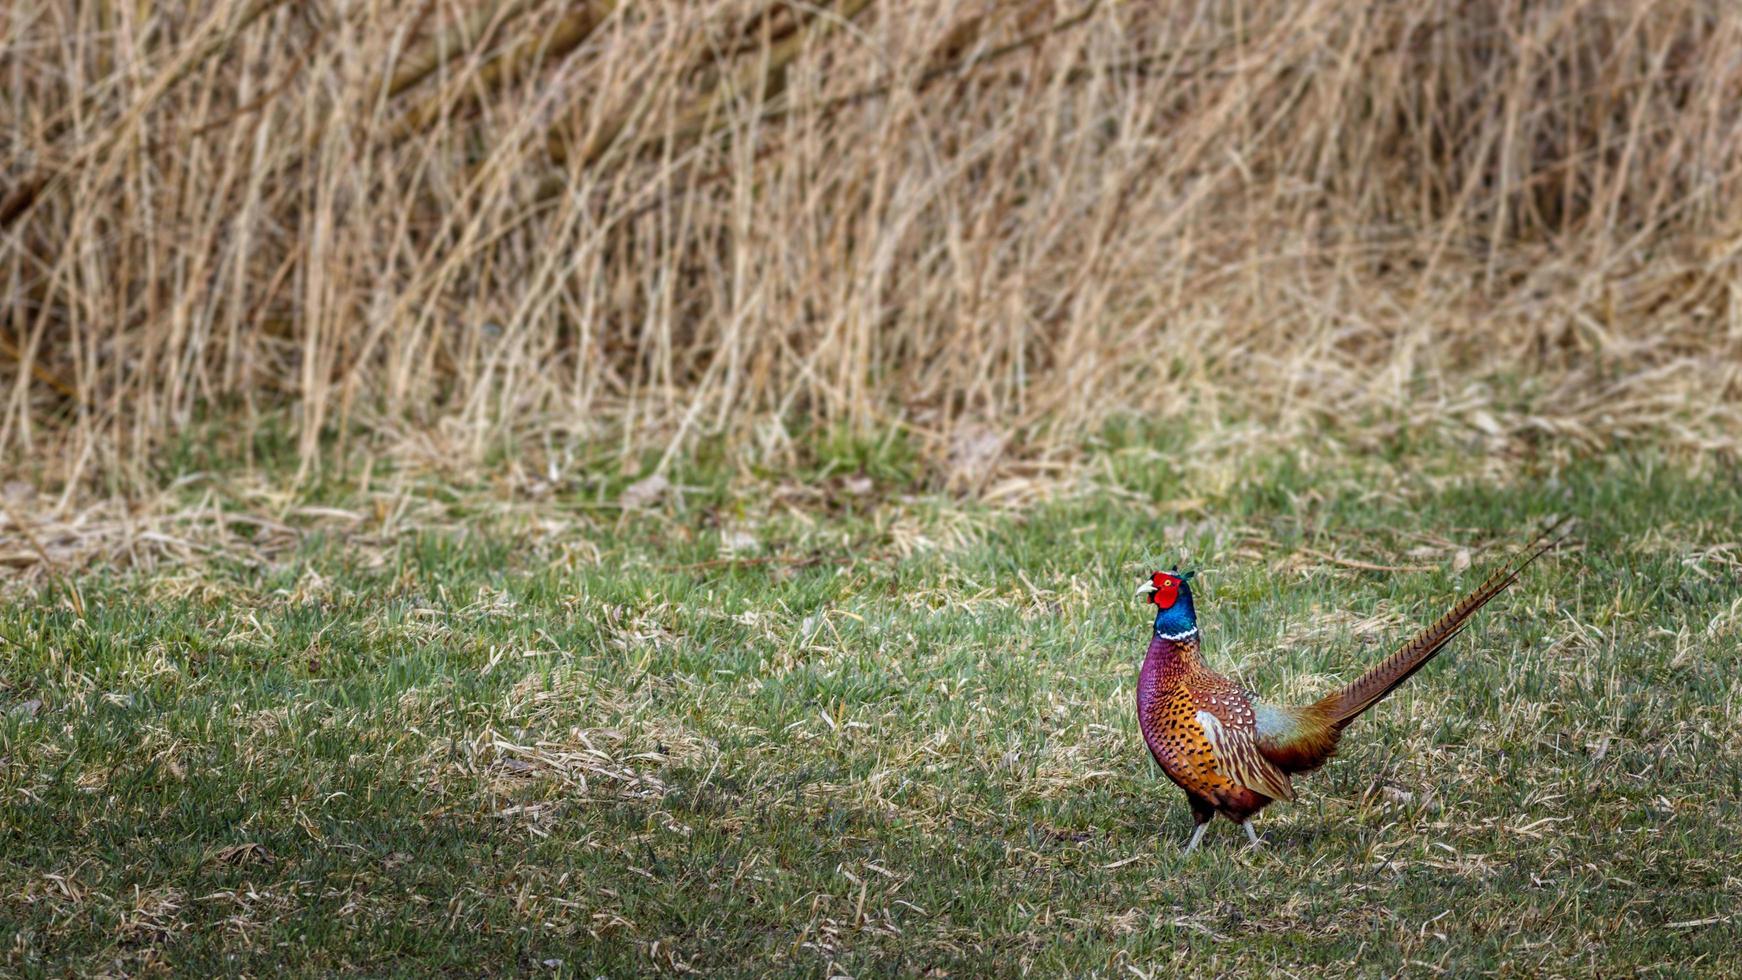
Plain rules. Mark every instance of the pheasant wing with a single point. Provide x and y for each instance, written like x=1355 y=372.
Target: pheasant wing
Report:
x=1237 y=755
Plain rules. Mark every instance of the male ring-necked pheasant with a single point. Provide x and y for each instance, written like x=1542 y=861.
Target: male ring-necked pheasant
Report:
x=1233 y=754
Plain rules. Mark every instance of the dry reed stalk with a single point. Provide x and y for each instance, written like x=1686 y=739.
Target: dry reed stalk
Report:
x=569 y=32
x=442 y=49
x=994 y=226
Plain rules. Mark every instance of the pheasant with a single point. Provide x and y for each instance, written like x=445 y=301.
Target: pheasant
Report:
x=1233 y=754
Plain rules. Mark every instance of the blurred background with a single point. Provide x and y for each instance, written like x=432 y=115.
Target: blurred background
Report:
x=531 y=239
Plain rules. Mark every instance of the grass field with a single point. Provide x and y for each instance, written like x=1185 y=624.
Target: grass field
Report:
x=821 y=727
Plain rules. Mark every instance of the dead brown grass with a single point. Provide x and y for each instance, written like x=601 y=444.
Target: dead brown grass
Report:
x=548 y=225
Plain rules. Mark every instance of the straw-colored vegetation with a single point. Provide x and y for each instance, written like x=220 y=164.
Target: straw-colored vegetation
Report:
x=454 y=231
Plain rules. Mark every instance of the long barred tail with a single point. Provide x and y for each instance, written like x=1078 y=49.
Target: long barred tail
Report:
x=1347 y=704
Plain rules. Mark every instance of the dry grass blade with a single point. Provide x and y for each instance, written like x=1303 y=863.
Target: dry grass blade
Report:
x=1365 y=566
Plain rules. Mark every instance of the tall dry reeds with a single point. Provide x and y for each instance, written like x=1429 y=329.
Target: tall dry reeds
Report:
x=562 y=224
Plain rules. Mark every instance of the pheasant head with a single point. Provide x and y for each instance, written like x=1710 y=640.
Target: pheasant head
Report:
x=1171 y=595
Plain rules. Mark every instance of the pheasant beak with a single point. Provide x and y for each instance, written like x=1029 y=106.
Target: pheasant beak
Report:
x=1148 y=588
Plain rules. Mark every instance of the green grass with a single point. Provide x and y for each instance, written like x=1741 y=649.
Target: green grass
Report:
x=592 y=746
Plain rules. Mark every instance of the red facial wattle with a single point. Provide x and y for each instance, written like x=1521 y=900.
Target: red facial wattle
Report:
x=1166 y=590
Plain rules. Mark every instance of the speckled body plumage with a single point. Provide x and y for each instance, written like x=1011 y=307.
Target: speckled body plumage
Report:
x=1233 y=754
x=1172 y=688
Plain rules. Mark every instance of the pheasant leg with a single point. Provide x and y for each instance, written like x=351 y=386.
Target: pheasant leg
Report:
x=1197 y=835
x=1252 y=835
